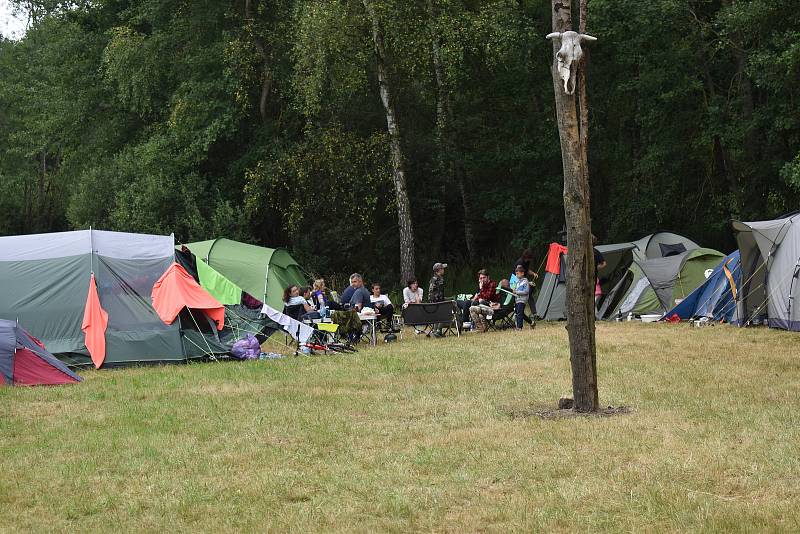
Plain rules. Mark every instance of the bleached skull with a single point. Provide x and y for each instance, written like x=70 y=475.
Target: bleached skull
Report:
x=569 y=55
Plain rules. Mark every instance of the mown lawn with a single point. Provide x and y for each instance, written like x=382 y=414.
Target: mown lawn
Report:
x=423 y=435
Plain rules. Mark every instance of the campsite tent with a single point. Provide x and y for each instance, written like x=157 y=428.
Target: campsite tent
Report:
x=770 y=258
x=716 y=297
x=25 y=361
x=551 y=301
x=51 y=283
x=261 y=272
x=641 y=277
x=666 y=267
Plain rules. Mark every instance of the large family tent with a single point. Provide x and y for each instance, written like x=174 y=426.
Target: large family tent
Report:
x=87 y=295
x=770 y=257
x=551 y=300
x=262 y=272
x=715 y=299
x=666 y=267
x=24 y=360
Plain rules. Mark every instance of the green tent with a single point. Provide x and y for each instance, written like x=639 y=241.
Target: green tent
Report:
x=262 y=272
x=666 y=267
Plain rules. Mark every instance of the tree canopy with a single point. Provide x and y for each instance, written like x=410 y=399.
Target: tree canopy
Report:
x=262 y=121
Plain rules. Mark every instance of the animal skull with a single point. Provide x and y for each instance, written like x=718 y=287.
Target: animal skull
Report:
x=569 y=55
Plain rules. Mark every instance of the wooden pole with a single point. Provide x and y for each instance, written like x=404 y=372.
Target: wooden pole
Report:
x=580 y=274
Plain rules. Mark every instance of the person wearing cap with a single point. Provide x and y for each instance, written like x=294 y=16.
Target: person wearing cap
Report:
x=436 y=291
x=436 y=287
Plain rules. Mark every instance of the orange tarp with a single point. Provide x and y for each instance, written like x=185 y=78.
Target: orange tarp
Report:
x=554 y=258
x=95 y=321
x=175 y=289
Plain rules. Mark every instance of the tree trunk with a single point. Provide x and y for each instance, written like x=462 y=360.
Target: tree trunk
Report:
x=449 y=153
x=405 y=228
x=266 y=74
x=580 y=274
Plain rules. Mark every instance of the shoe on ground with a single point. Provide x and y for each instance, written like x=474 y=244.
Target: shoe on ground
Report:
x=437 y=334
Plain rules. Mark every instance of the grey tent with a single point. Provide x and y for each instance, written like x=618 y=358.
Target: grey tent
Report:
x=551 y=300
x=666 y=268
x=770 y=263
x=646 y=276
x=45 y=280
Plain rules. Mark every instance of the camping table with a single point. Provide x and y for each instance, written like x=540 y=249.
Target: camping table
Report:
x=369 y=320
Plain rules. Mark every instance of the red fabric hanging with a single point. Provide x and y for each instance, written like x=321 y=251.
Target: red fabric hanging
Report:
x=95 y=321
x=553 y=264
x=175 y=289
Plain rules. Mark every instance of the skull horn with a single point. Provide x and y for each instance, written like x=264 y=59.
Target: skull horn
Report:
x=554 y=35
x=585 y=37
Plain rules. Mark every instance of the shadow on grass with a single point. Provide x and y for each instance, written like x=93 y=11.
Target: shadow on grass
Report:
x=548 y=413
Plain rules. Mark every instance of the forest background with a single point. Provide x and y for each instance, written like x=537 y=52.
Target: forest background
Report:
x=262 y=121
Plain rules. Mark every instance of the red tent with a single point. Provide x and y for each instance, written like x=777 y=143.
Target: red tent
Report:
x=177 y=289
x=25 y=361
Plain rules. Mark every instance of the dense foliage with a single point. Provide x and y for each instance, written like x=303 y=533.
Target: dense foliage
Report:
x=262 y=121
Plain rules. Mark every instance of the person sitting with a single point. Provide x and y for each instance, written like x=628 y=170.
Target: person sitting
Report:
x=320 y=299
x=305 y=291
x=479 y=312
x=487 y=294
x=359 y=297
x=412 y=293
x=383 y=306
x=347 y=294
x=295 y=306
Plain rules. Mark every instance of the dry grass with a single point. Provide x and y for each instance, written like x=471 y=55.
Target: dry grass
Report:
x=420 y=436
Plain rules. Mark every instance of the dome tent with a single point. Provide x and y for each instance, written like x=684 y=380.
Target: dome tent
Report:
x=770 y=260
x=262 y=272
x=640 y=277
x=715 y=299
x=666 y=267
x=25 y=361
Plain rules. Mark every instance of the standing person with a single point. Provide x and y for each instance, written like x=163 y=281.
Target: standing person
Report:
x=436 y=286
x=382 y=304
x=436 y=291
x=412 y=293
x=599 y=263
x=525 y=260
x=521 y=294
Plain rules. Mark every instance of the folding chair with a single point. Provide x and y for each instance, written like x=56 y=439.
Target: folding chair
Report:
x=427 y=317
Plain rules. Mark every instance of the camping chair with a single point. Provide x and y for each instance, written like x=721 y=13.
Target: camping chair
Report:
x=426 y=317
x=328 y=339
x=503 y=317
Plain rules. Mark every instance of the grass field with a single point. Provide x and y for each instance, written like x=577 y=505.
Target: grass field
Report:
x=422 y=435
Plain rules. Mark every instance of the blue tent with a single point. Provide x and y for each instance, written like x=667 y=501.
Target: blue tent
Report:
x=715 y=298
